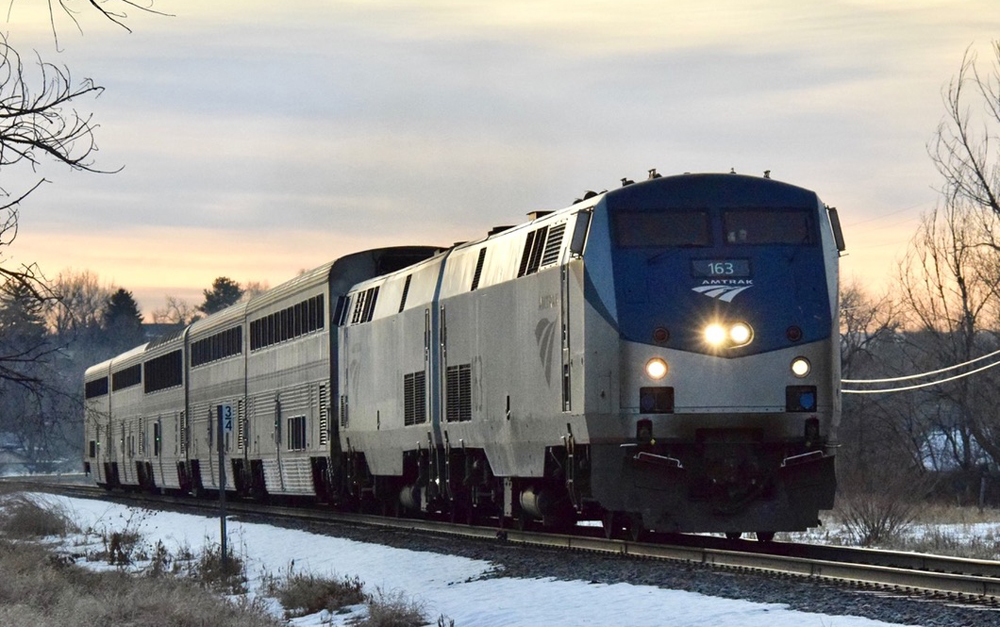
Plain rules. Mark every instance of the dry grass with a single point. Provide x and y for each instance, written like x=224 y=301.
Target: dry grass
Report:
x=209 y=569
x=936 y=514
x=393 y=610
x=302 y=594
x=23 y=517
x=39 y=586
x=39 y=589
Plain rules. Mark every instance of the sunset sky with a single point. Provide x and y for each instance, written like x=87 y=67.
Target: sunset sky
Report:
x=261 y=138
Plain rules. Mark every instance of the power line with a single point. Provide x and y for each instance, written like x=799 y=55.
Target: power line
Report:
x=885 y=215
x=926 y=384
x=922 y=374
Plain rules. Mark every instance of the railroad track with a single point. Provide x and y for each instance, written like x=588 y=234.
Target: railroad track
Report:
x=939 y=577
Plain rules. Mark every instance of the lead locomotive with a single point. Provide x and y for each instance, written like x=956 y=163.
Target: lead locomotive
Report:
x=661 y=356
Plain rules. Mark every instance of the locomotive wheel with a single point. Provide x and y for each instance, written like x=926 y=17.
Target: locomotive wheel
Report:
x=765 y=536
x=733 y=535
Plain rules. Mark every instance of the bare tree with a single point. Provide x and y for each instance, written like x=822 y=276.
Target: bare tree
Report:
x=962 y=303
x=41 y=126
x=253 y=288
x=175 y=311
x=116 y=11
x=949 y=287
x=80 y=306
x=963 y=148
x=37 y=124
x=866 y=323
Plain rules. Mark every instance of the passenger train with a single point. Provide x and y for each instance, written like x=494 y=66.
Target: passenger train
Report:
x=663 y=356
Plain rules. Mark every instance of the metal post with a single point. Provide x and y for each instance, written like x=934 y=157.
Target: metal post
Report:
x=222 y=487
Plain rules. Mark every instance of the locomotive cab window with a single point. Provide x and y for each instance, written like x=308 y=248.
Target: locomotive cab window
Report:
x=769 y=226
x=662 y=229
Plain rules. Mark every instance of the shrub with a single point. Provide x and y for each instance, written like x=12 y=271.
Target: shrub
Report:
x=302 y=594
x=393 y=610
x=210 y=570
x=124 y=546
x=878 y=502
x=23 y=517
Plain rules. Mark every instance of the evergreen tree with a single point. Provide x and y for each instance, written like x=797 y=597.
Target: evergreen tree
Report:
x=122 y=321
x=23 y=338
x=224 y=292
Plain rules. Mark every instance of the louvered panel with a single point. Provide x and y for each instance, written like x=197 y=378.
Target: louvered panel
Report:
x=241 y=421
x=526 y=254
x=536 y=250
x=452 y=394
x=458 y=384
x=409 y=413
x=479 y=269
x=419 y=397
x=406 y=290
x=465 y=392
x=324 y=417
x=183 y=433
x=553 y=244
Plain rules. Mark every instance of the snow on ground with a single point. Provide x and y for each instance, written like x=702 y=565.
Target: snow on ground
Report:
x=444 y=585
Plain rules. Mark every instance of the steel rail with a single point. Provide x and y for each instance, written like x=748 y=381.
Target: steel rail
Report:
x=964 y=579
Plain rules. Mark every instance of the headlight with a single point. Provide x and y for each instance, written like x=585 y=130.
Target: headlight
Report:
x=740 y=333
x=800 y=367
x=656 y=368
x=728 y=335
x=715 y=334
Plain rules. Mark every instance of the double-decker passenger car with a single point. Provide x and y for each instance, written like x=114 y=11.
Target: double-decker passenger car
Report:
x=661 y=356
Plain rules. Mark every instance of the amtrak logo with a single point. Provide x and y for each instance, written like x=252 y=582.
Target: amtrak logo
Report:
x=725 y=291
x=545 y=336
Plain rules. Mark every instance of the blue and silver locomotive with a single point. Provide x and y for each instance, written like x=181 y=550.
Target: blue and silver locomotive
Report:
x=661 y=356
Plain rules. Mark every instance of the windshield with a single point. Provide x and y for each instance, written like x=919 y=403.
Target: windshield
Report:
x=769 y=226
x=659 y=229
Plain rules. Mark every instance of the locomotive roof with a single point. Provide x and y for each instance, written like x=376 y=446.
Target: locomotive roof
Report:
x=715 y=189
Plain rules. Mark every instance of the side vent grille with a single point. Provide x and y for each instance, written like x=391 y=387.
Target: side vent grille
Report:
x=414 y=398
x=406 y=290
x=458 y=382
x=370 y=305
x=343 y=411
x=526 y=254
x=182 y=426
x=241 y=425
x=364 y=306
x=536 y=250
x=359 y=306
x=324 y=417
x=479 y=269
x=541 y=248
x=553 y=244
